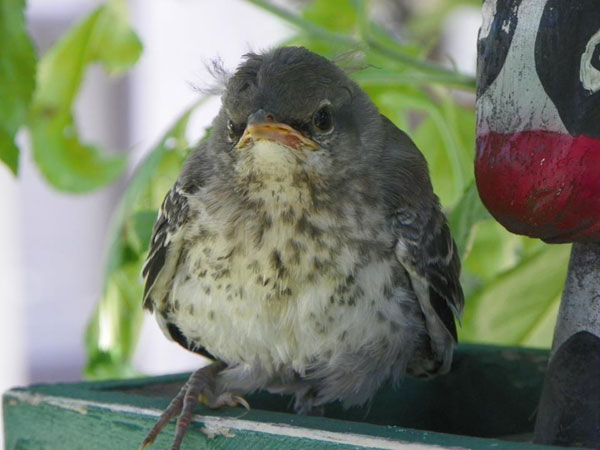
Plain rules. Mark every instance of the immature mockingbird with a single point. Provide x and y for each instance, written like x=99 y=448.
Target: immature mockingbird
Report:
x=302 y=248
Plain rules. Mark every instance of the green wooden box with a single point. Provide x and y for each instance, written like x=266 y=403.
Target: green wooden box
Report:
x=488 y=401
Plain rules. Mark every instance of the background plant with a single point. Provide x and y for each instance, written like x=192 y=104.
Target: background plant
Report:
x=512 y=283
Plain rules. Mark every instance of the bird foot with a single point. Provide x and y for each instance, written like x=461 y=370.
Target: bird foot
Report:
x=198 y=389
x=224 y=399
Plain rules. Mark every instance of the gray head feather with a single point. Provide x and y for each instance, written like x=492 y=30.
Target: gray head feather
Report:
x=220 y=77
x=360 y=154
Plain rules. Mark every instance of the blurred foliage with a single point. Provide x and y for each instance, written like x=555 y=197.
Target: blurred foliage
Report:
x=103 y=37
x=17 y=78
x=115 y=325
x=512 y=283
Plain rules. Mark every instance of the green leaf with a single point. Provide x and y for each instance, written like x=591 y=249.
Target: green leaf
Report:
x=450 y=142
x=140 y=229
x=112 y=334
x=493 y=250
x=68 y=164
x=518 y=306
x=465 y=216
x=17 y=78
x=427 y=22
x=461 y=121
x=433 y=145
x=541 y=332
x=395 y=77
x=333 y=15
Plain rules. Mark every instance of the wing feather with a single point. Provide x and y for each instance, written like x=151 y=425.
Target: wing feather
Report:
x=425 y=247
x=432 y=262
x=165 y=247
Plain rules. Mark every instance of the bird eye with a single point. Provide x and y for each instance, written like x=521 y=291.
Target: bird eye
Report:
x=323 y=119
x=231 y=134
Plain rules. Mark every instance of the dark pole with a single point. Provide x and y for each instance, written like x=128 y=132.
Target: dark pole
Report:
x=569 y=410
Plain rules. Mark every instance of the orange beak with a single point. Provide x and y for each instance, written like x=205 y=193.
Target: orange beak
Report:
x=276 y=132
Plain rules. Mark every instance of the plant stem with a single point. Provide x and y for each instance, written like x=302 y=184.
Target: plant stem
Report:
x=457 y=79
x=447 y=76
x=370 y=77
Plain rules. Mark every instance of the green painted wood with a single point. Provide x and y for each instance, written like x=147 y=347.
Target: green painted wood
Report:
x=492 y=392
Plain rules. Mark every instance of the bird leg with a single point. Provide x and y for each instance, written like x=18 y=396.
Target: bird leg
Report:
x=199 y=388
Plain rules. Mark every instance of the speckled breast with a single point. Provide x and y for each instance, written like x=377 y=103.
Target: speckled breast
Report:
x=287 y=285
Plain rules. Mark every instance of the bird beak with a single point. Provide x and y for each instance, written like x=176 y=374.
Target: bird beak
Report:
x=276 y=132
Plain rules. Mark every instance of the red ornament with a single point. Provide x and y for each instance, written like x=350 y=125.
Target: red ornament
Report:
x=541 y=183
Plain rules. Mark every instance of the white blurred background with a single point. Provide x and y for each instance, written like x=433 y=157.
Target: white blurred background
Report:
x=52 y=245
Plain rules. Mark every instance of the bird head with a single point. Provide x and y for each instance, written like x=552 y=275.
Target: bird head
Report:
x=290 y=110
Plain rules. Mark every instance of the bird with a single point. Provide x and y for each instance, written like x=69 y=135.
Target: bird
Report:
x=302 y=248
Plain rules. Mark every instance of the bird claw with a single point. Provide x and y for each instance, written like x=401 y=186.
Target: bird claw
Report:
x=225 y=399
x=198 y=389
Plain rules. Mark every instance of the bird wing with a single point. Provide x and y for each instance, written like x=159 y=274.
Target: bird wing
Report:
x=429 y=255
x=167 y=243
x=424 y=246
x=165 y=247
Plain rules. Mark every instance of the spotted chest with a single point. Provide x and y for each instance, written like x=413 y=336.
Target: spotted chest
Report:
x=281 y=284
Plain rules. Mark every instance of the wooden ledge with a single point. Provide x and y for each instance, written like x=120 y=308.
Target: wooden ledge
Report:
x=487 y=401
